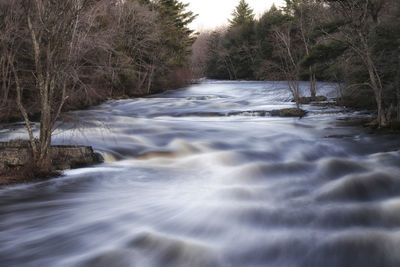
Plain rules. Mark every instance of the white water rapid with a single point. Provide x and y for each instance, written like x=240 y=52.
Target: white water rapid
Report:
x=204 y=176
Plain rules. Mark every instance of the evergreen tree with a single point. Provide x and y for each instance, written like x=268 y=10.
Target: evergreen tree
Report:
x=240 y=42
x=266 y=58
x=242 y=14
x=173 y=57
x=176 y=33
x=218 y=65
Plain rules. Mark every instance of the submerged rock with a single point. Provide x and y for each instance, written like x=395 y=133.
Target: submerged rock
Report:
x=17 y=153
x=289 y=112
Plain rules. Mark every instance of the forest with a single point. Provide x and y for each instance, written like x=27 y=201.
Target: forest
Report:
x=352 y=42
x=59 y=56
x=82 y=52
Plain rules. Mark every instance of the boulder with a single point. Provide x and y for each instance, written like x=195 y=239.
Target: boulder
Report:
x=289 y=112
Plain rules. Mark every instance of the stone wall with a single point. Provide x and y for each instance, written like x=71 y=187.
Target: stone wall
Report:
x=15 y=154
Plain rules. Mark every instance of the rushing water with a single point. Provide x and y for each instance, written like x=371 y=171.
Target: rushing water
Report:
x=204 y=176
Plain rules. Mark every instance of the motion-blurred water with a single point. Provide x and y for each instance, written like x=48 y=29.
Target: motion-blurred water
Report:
x=204 y=176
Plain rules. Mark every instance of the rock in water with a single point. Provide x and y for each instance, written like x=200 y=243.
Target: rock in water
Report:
x=289 y=112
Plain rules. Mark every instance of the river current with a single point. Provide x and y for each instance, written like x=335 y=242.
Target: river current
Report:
x=205 y=176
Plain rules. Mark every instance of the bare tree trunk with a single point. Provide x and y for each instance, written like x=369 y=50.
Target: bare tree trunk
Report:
x=43 y=160
x=228 y=69
x=150 y=80
x=289 y=63
x=232 y=68
x=377 y=88
x=142 y=80
x=295 y=89
x=5 y=69
x=307 y=44
x=21 y=108
x=313 y=82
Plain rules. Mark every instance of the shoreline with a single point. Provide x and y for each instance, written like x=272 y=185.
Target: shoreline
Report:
x=24 y=174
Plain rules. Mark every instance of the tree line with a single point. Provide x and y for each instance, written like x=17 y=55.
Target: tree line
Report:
x=60 y=55
x=353 y=42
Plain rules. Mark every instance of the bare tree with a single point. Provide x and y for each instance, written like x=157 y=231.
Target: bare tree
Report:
x=56 y=53
x=362 y=18
x=289 y=61
x=47 y=35
x=306 y=12
x=199 y=55
x=138 y=43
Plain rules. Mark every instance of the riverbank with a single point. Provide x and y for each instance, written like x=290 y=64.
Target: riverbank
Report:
x=9 y=112
x=392 y=125
x=19 y=170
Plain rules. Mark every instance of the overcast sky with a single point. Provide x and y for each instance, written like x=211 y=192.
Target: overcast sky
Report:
x=213 y=13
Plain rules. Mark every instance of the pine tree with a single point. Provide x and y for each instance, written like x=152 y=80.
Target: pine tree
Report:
x=176 y=20
x=242 y=14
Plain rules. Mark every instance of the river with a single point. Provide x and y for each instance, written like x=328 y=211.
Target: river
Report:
x=204 y=176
